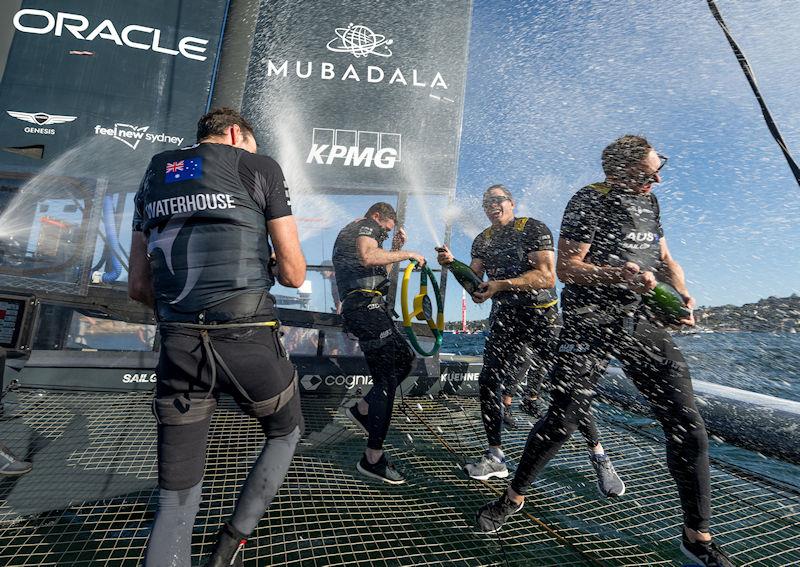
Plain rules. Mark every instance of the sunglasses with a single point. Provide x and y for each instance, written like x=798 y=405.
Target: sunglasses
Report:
x=652 y=176
x=491 y=201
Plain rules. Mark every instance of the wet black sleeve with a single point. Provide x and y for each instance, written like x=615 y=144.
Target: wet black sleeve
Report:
x=538 y=237
x=264 y=180
x=479 y=247
x=369 y=227
x=580 y=216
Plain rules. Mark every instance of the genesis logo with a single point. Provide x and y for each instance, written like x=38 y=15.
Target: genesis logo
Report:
x=42 y=22
x=360 y=41
x=40 y=119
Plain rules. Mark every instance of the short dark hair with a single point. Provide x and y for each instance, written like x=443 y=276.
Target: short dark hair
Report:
x=218 y=120
x=385 y=210
x=502 y=188
x=624 y=152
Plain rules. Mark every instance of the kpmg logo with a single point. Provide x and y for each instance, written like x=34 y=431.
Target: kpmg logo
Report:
x=354 y=148
x=360 y=41
x=131 y=135
x=40 y=119
x=42 y=22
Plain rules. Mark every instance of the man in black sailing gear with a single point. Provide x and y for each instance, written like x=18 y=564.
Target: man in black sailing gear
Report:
x=362 y=266
x=200 y=255
x=610 y=250
x=517 y=255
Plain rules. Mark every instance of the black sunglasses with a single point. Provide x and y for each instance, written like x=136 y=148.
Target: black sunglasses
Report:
x=495 y=200
x=652 y=176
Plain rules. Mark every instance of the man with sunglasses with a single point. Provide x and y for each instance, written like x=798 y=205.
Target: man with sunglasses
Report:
x=362 y=268
x=517 y=255
x=610 y=250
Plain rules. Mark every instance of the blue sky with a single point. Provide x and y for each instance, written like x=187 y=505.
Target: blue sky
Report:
x=551 y=83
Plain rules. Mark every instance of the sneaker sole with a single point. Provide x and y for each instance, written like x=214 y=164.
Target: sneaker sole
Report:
x=691 y=555
x=8 y=473
x=352 y=418
x=377 y=476
x=499 y=474
x=604 y=495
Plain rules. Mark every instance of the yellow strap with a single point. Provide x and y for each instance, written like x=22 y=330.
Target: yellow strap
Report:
x=372 y=291
x=601 y=188
x=519 y=224
x=543 y=305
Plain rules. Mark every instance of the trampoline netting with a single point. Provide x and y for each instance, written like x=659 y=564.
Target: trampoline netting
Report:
x=91 y=496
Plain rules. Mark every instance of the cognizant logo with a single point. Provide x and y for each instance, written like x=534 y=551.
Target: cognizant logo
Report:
x=355 y=148
x=311 y=382
x=42 y=22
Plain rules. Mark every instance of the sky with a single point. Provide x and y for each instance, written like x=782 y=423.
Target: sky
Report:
x=551 y=83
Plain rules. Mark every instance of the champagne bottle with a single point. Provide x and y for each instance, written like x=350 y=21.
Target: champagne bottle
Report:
x=666 y=303
x=464 y=275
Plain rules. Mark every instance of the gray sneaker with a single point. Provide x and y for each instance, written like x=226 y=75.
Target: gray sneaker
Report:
x=11 y=465
x=486 y=468
x=608 y=482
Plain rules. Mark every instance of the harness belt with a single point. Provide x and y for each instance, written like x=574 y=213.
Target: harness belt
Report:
x=170 y=411
x=370 y=291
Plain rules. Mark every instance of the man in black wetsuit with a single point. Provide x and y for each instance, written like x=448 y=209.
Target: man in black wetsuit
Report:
x=517 y=255
x=362 y=267
x=610 y=250
x=200 y=255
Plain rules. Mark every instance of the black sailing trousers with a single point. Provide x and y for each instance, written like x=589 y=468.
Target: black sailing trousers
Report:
x=655 y=365
x=520 y=339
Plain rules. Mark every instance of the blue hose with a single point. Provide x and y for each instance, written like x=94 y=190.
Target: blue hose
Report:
x=112 y=242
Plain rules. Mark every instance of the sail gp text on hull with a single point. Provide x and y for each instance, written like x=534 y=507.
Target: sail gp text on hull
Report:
x=42 y=22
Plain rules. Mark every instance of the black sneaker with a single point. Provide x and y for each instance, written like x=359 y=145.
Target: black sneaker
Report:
x=228 y=549
x=508 y=418
x=705 y=553
x=11 y=465
x=355 y=416
x=382 y=470
x=491 y=516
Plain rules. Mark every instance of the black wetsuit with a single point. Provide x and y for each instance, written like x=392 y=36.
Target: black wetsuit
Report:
x=203 y=211
x=368 y=316
x=608 y=320
x=522 y=329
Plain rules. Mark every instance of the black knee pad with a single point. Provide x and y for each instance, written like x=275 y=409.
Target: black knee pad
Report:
x=403 y=359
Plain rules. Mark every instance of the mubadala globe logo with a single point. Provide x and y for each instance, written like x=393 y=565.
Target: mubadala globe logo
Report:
x=360 y=42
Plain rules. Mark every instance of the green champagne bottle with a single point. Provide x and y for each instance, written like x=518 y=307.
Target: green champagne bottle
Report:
x=666 y=303
x=464 y=275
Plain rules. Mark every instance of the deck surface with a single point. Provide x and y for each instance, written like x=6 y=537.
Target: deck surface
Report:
x=91 y=496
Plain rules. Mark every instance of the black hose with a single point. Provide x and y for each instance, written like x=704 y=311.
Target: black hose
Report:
x=748 y=72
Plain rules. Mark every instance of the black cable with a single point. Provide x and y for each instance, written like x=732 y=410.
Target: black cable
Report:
x=748 y=72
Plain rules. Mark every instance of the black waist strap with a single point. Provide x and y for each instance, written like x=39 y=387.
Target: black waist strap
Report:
x=242 y=306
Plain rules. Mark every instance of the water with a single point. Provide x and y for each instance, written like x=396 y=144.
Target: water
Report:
x=766 y=363
x=761 y=362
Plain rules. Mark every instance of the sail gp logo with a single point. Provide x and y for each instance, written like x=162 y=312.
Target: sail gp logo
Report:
x=360 y=42
x=355 y=148
x=131 y=135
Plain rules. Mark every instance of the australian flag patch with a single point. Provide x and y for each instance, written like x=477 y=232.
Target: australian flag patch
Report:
x=184 y=170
